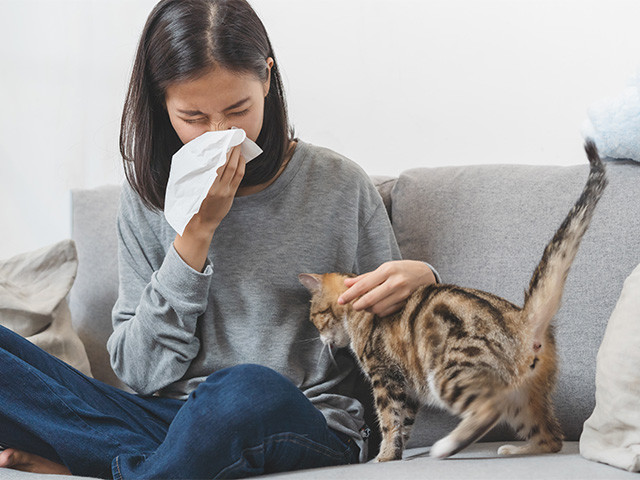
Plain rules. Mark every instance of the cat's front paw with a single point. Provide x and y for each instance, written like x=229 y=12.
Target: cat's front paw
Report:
x=384 y=458
x=389 y=451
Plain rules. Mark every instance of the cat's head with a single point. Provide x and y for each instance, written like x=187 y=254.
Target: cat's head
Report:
x=326 y=314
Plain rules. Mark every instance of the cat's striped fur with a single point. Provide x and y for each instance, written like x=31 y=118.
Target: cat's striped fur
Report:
x=473 y=353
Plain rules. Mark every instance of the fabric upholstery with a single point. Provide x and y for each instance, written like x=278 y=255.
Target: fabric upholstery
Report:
x=93 y=223
x=385 y=186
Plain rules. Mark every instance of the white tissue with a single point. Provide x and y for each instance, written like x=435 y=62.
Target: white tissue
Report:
x=193 y=171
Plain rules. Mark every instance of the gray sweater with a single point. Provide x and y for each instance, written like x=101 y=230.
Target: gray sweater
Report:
x=174 y=326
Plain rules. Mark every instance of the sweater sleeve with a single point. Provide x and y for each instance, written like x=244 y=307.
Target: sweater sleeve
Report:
x=159 y=302
x=376 y=242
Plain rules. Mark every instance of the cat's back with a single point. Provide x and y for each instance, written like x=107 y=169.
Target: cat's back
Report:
x=454 y=332
x=464 y=314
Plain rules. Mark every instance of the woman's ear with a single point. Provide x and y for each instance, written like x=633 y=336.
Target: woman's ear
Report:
x=267 y=84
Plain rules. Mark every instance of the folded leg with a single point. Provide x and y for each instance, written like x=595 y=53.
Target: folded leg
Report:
x=54 y=411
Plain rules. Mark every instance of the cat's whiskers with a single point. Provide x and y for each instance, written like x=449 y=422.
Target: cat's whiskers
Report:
x=324 y=345
x=309 y=340
x=333 y=359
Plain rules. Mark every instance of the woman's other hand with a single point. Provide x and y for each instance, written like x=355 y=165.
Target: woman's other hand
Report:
x=385 y=290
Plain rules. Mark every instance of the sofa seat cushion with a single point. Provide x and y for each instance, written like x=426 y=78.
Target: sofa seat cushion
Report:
x=478 y=461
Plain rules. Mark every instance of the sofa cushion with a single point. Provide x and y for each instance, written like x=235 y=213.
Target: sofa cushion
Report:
x=486 y=227
x=478 y=461
x=385 y=185
x=93 y=226
x=612 y=433
x=33 y=291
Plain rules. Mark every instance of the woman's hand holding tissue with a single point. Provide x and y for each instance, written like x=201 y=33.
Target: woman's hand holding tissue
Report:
x=194 y=243
x=220 y=197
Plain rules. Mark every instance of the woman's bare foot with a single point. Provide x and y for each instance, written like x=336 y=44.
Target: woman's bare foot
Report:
x=29 y=462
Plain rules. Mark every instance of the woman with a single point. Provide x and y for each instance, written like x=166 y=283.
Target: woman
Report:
x=211 y=327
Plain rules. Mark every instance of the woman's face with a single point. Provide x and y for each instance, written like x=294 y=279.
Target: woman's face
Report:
x=218 y=100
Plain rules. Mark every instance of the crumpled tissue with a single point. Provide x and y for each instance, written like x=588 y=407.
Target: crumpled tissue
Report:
x=193 y=171
x=614 y=123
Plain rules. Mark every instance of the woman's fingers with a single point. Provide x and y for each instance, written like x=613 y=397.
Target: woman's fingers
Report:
x=223 y=190
x=349 y=282
x=382 y=297
x=237 y=178
x=373 y=296
x=368 y=286
x=231 y=167
x=385 y=290
x=360 y=285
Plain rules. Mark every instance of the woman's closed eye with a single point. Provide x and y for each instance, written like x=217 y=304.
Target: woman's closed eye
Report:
x=233 y=114
x=241 y=113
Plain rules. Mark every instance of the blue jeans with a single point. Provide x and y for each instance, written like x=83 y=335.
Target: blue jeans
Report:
x=242 y=421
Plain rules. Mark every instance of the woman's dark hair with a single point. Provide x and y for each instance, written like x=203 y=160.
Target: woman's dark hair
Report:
x=182 y=40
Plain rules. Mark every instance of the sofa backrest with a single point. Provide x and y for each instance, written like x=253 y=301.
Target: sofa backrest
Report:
x=95 y=290
x=483 y=227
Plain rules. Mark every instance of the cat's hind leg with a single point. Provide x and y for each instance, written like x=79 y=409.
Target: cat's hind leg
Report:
x=533 y=420
x=475 y=424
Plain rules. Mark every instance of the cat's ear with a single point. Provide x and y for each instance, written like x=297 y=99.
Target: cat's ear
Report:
x=312 y=281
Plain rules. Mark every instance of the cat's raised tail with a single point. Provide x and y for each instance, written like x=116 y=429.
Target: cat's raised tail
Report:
x=542 y=300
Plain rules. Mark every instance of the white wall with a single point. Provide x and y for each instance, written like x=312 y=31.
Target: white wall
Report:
x=392 y=84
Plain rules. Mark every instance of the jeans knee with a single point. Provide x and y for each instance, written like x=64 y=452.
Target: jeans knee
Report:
x=252 y=397
x=246 y=374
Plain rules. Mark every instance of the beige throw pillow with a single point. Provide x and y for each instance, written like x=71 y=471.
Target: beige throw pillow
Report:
x=33 y=291
x=612 y=434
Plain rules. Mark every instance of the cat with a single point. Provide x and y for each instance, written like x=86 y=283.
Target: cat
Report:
x=477 y=355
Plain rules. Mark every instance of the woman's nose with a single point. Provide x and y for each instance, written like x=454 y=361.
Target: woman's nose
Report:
x=216 y=126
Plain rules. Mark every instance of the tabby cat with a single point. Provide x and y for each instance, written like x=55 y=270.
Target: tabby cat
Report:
x=473 y=353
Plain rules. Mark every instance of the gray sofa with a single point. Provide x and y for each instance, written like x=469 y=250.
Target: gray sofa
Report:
x=480 y=226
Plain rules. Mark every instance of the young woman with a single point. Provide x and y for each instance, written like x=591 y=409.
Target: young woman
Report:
x=211 y=327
